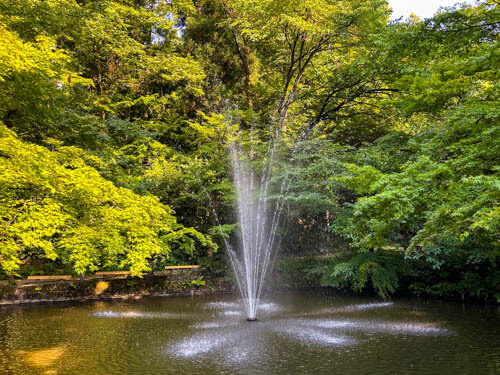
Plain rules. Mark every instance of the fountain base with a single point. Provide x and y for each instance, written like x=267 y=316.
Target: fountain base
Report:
x=251 y=319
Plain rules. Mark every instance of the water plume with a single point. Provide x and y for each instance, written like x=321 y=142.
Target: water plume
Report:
x=257 y=227
x=259 y=220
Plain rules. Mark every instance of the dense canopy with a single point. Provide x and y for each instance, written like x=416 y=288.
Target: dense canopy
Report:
x=116 y=117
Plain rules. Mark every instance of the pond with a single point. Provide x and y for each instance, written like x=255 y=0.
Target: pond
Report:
x=297 y=333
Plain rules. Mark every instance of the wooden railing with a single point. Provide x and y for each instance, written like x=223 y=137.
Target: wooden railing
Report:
x=181 y=267
x=61 y=277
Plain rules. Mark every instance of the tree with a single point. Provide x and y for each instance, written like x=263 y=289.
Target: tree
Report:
x=441 y=202
x=56 y=205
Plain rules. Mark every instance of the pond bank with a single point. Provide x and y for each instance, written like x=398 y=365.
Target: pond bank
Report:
x=158 y=284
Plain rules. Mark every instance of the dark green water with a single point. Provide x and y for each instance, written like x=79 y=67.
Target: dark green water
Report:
x=297 y=333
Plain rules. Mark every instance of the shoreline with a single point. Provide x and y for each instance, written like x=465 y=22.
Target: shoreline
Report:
x=120 y=297
x=175 y=283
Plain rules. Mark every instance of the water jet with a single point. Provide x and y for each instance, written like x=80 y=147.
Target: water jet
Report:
x=257 y=226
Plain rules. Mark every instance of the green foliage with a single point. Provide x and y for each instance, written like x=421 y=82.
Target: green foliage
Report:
x=427 y=182
x=54 y=205
x=449 y=188
x=199 y=281
x=116 y=114
x=363 y=271
x=303 y=271
x=454 y=269
x=216 y=264
x=443 y=197
x=472 y=285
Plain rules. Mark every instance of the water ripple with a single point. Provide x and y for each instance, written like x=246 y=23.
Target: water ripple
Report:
x=386 y=327
x=135 y=314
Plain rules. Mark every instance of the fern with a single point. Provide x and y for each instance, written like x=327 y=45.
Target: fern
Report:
x=362 y=271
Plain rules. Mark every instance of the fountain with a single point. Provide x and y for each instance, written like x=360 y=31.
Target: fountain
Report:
x=258 y=230
x=258 y=224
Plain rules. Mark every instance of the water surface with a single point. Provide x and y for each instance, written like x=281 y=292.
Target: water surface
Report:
x=297 y=333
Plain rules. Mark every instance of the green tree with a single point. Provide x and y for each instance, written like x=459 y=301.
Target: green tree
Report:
x=56 y=205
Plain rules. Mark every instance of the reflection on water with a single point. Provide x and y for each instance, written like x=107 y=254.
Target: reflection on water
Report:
x=43 y=357
x=349 y=308
x=137 y=314
x=387 y=327
x=311 y=335
x=215 y=324
x=198 y=344
x=297 y=333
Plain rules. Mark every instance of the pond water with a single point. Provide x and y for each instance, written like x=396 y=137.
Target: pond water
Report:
x=297 y=333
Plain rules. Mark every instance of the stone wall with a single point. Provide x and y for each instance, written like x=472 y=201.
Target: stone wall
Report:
x=164 y=283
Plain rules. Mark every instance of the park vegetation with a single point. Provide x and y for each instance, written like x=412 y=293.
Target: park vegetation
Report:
x=116 y=117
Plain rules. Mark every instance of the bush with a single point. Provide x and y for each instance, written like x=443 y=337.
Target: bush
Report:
x=443 y=274
x=303 y=271
x=365 y=270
